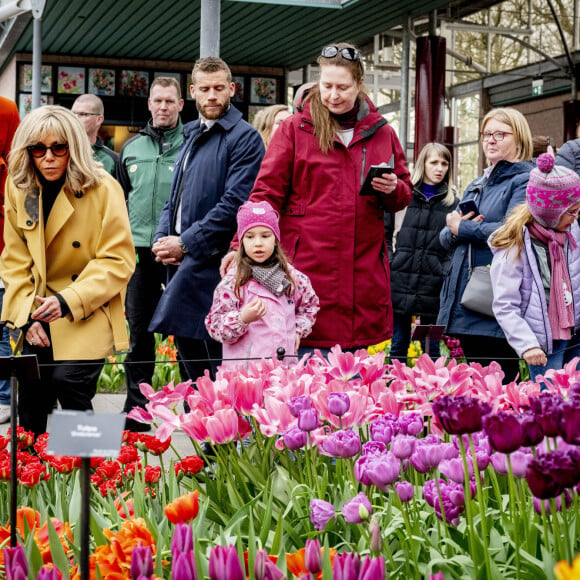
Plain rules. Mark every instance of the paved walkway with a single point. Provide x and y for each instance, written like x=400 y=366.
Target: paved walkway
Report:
x=107 y=403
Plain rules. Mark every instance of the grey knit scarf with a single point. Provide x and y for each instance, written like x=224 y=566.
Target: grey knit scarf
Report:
x=273 y=278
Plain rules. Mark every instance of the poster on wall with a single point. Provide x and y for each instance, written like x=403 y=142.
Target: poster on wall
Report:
x=25 y=80
x=25 y=103
x=238 y=90
x=134 y=83
x=71 y=80
x=263 y=90
x=102 y=82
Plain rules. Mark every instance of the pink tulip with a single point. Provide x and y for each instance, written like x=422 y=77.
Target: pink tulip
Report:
x=222 y=427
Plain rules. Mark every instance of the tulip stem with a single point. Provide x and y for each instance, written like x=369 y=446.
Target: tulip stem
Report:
x=515 y=524
x=485 y=537
x=403 y=508
x=568 y=547
x=556 y=530
x=467 y=497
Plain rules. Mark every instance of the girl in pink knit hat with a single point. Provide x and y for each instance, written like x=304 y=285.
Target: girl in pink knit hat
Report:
x=535 y=270
x=263 y=304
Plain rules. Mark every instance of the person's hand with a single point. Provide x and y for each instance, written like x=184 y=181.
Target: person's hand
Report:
x=226 y=263
x=36 y=336
x=535 y=356
x=253 y=311
x=49 y=309
x=297 y=343
x=453 y=219
x=387 y=183
x=168 y=251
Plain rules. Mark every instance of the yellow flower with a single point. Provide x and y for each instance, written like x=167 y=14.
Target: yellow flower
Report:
x=564 y=571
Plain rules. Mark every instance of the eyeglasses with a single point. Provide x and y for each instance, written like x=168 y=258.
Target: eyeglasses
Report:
x=83 y=114
x=39 y=150
x=497 y=136
x=333 y=51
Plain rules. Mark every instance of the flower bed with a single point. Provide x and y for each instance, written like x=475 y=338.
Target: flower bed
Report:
x=436 y=470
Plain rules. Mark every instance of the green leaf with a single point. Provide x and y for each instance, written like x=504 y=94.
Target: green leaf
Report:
x=57 y=551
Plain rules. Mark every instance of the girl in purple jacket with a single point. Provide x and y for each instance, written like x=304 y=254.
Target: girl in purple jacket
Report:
x=536 y=270
x=263 y=303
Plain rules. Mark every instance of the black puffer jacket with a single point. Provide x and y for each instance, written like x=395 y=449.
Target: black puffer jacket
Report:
x=419 y=261
x=569 y=155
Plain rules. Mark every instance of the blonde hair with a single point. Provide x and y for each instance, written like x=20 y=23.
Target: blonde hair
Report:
x=265 y=119
x=210 y=64
x=82 y=170
x=519 y=127
x=511 y=234
x=244 y=267
x=325 y=126
x=419 y=169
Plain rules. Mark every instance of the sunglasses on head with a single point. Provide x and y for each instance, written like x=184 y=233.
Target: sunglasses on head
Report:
x=39 y=150
x=333 y=51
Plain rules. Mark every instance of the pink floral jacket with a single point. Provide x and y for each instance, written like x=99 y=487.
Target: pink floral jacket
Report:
x=286 y=317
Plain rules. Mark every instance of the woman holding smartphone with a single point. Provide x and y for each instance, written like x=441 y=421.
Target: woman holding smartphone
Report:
x=507 y=145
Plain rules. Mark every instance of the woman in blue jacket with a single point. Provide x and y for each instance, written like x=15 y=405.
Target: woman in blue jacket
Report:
x=507 y=145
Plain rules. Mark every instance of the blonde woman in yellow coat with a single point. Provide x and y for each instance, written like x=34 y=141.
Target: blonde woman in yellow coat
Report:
x=67 y=261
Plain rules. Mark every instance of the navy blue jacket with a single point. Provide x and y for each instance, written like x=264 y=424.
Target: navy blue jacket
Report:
x=495 y=198
x=220 y=169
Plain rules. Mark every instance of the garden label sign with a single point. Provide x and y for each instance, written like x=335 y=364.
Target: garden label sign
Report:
x=85 y=434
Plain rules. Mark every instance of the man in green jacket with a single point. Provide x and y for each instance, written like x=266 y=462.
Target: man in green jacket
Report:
x=91 y=113
x=145 y=171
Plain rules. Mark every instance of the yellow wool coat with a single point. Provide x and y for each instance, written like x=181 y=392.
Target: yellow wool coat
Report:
x=85 y=254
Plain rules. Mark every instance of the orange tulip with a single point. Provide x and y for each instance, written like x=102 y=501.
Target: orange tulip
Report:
x=295 y=562
x=183 y=509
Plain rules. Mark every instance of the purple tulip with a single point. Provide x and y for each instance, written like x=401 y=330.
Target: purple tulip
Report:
x=411 y=424
x=308 y=420
x=342 y=444
x=455 y=493
x=265 y=569
x=505 y=431
x=570 y=427
x=313 y=556
x=384 y=428
x=141 y=562
x=374 y=448
x=383 y=470
x=404 y=490
x=531 y=429
x=558 y=501
x=519 y=460
x=460 y=414
x=402 y=446
x=565 y=466
x=425 y=458
x=438 y=576
x=372 y=569
x=548 y=410
x=540 y=478
x=338 y=403
x=376 y=544
x=346 y=566
x=224 y=564
x=361 y=466
x=294 y=438
x=358 y=509
x=48 y=573
x=574 y=391
x=183 y=566
x=321 y=512
x=182 y=540
x=299 y=404
x=453 y=469
x=15 y=564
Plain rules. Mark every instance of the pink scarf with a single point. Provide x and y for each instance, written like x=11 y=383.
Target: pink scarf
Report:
x=561 y=317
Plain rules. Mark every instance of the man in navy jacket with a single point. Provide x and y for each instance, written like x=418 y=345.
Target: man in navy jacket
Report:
x=214 y=174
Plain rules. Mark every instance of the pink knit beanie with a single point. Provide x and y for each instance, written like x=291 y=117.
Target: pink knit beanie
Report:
x=551 y=190
x=259 y=213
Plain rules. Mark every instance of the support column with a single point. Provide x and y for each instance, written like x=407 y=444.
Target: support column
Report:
x=37 y=10
x=210 y=21
x=429 y=91
x=405 y=64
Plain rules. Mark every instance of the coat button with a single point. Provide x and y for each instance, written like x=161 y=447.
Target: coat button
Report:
x=28 y=222
x=74 y=277
x=106 y=304
x=76 y=244
x=79 y=194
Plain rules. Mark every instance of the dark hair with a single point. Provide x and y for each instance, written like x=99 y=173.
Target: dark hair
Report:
x=540 y=144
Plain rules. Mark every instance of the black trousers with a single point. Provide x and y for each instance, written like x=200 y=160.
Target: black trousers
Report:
x=72 y=383
x=143 y=294
x=195 y=356
x=484 y=349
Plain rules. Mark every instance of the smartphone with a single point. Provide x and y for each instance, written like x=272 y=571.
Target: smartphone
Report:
x=468 y=206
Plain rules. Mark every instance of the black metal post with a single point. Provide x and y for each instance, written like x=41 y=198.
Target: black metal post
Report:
x=13 y=457
x=85 y=515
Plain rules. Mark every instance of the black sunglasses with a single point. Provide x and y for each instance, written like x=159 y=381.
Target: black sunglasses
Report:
x=348 y=53
x=39 y=150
